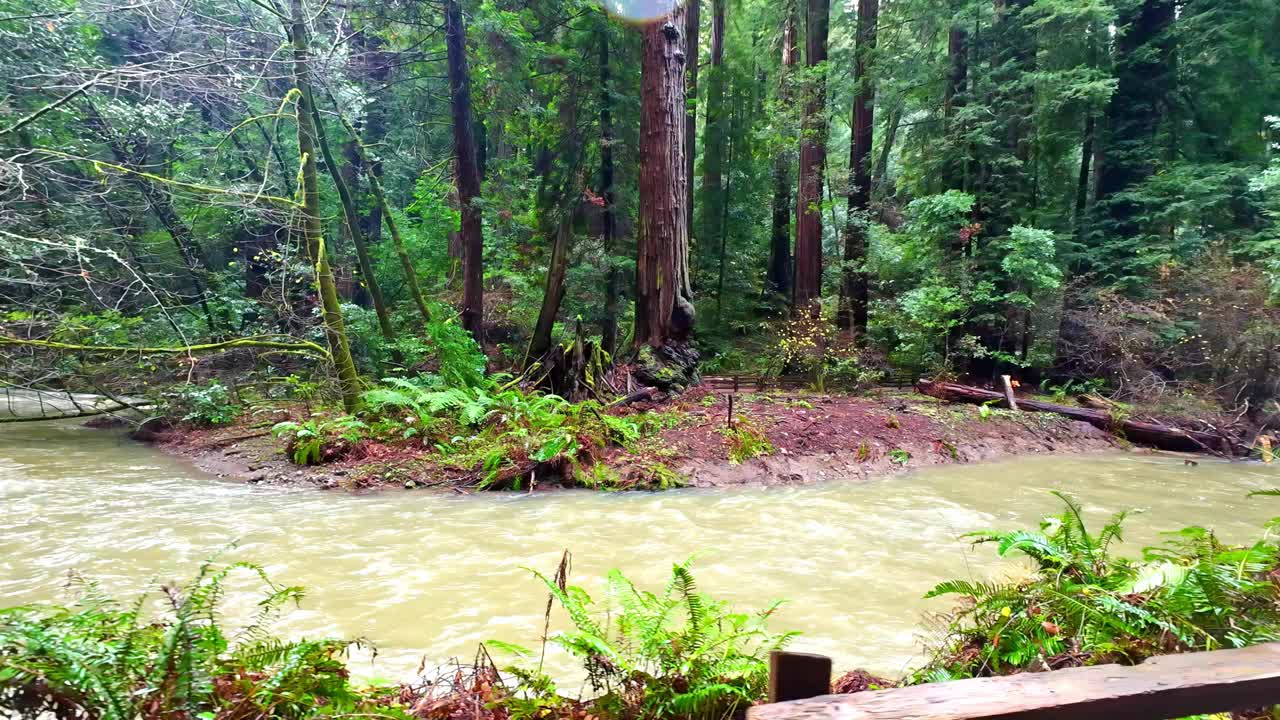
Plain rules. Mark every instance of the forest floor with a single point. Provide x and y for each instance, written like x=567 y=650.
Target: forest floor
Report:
x=811 y=437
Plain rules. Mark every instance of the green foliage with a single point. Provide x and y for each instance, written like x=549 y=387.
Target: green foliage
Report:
x=207 y=405
x=98 y=658
x=745 y=441
x=678 y=654
x=899 y=456
x=1083 y=604
x=320 y=439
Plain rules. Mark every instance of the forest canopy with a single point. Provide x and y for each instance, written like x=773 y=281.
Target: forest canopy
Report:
x=1066 y=190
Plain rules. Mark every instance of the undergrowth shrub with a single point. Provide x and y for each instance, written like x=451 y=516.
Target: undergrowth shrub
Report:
x=205 y=405
x=677 y=654
x=744 y=441
x=1085 y=605
x=103 y=660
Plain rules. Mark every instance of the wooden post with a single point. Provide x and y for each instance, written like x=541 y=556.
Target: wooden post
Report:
x=798 y=676
x=735 y=384
x=730 y=411
x=1008 y=392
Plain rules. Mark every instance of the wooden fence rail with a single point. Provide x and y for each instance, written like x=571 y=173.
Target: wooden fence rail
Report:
x=1170 y=686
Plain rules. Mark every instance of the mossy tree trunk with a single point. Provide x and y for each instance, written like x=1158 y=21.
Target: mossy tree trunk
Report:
x=312 y=232
x=351 y=217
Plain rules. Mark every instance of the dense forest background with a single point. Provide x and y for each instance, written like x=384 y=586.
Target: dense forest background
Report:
x=1065 y=190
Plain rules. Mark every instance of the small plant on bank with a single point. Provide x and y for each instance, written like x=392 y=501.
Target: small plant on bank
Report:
x=745 y=441
x=899 y=456
x=679 y=654
x=205 y=405
x=319 y=439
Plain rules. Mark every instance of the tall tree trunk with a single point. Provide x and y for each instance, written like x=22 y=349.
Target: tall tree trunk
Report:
x=779 y=273
x=714 y=134
x=613 y=275
x=312 y=232
x=807 y=288
x=1082 y=181
x=374 y=66
x=664 y=307
x=351 y=219
x=464 y=148
x=692 y=27
x=1146 y=80
x=852 y=315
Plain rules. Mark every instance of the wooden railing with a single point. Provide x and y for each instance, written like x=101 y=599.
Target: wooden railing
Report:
x=1170 y=686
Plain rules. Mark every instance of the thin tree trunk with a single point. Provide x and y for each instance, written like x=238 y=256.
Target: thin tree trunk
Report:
x=714 y=135
x=886 y=147
x=464 y=146
x=352 y=220
x=664 y=310
x=693 y=18
x=566 y=191
x=852 y=315
x=553 y=293
x=780 y=270
x=807 y=289
x=312 y=232
x=613 y=275
x=1082 y=181
x=369 y=165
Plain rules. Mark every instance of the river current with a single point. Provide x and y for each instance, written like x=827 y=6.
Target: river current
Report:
x=428 y=576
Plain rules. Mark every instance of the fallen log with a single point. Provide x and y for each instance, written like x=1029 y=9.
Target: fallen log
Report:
x=1164 y=437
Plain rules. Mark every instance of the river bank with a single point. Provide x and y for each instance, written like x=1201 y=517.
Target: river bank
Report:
x=774 y=438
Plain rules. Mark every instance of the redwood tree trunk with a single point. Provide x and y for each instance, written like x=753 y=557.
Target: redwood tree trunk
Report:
x=664 y=311
x=1144 y=60
x=853 y=274
x=464 y=147
x=692 y=20
x=613 y=276
x=779 y=273
x=714 y=134
x=807 y=289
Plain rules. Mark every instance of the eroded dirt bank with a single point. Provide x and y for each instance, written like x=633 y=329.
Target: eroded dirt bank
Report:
x=807 y=438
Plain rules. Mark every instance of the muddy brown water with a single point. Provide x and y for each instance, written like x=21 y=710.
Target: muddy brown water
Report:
x=430 y=576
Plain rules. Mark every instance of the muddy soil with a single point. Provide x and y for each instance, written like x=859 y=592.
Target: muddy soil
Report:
x=810 y=438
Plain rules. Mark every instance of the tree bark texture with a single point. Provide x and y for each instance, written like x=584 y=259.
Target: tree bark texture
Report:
x=853 y=275
x=664 y=310
x=692 y=27
x=714 y=135
x=780 y=270
x=464 y=145
x=807 y=288
x=613 y=275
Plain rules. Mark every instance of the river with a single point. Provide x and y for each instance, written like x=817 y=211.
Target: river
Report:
x=428 y=575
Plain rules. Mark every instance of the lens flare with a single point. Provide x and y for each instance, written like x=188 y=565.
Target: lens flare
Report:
x=640 y=10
